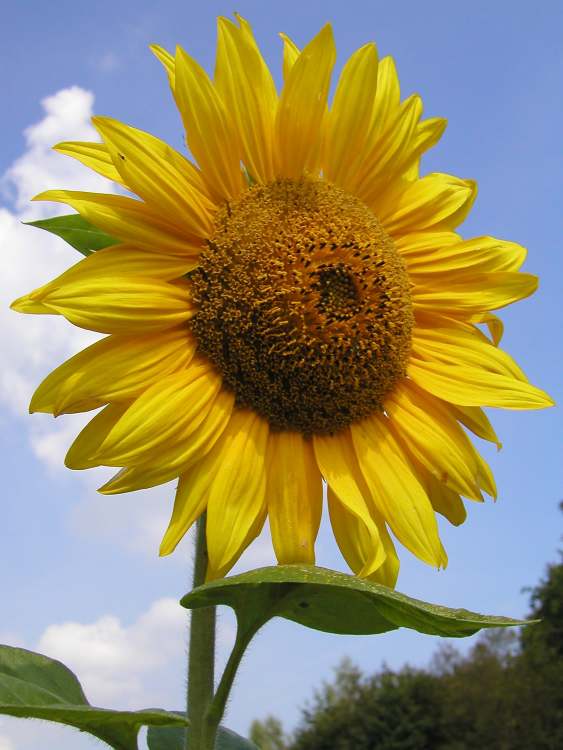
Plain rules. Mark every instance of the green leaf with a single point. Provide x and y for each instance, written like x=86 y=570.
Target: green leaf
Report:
x=172 y=738
x=78 y=232
x=36 y=687
x=334 y=602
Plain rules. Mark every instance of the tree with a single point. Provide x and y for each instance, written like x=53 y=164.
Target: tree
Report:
x=506 y=693
x=268 y=735
x=387 y=711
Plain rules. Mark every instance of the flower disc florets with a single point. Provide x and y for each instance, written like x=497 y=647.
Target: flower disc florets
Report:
x=303 y=305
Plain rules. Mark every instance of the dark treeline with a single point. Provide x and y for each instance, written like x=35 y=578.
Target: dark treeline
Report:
x=505 y=694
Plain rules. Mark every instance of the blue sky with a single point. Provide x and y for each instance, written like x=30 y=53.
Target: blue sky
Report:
x=80 y=577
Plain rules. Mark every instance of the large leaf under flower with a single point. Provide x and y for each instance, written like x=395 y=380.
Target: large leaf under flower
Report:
x=333 y=602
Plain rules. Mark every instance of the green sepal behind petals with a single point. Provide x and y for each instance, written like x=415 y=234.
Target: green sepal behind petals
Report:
x=74 y=229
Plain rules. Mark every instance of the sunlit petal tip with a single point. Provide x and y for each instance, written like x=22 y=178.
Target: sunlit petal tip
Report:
x=326 y=37
x=79 y=463
x=58 y=410
x=44 y=195
x=533 y=283
x=548 y=400
x=99 y=121
x=30 y=304
x=21 y=303
x=61 y=147
x=243 y=23
x=105 y=489
x=473 y=188
x=166 y=548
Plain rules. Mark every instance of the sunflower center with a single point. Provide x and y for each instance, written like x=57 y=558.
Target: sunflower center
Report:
x=303 y=305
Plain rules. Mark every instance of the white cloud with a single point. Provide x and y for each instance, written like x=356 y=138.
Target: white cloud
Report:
x=112 y=660
x=129 y=666
x=122 y=666
x=32 y=345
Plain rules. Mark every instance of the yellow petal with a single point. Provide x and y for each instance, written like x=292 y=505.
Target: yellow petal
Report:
x=128 y=260
x=387 y=158
x=290 y=54
x=30 y=306
x=116 y=304
x=161 y=417
x=116 y=368
x=168 y=62
x=460 y=343
x=93 y=155
x=338 y=464
x=302 y=107
x=191 y=500
x=387 y=100
x=427 y=133
x=395 y=138
x=437 y=201
x=464 y=292
x=189 y=504
x=159 y=175
x=445 y=501
x=210 y=133
x=350 y=116
x=480 y=254
x=295 y=495
x=469 y=386
x=79 y=455
x=128 y=219
x=176 y=458
x=397 y=493
x=415 y=246
x=356 y=544
x=477 y=421
x=493 y=323
x=236 y=495
x=247 y=89
x=436 y=442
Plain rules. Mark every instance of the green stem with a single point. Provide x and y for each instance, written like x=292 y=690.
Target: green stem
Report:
x=201 y=655
x=216 y=709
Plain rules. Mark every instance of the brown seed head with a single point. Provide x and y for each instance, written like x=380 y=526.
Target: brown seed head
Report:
x=303 y=305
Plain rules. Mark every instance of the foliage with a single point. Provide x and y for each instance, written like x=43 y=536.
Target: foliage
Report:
x=35 y=687
x=268 y=734
x=78 y=232
x=505 y=694
x=333 y=602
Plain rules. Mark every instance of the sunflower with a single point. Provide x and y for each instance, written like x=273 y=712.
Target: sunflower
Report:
x=293 y=307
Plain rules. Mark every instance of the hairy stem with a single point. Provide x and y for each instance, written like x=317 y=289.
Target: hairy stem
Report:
x=216 y=709
x=201 y=655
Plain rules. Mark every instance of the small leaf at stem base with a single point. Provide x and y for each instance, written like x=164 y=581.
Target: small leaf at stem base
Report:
x=32 y=686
